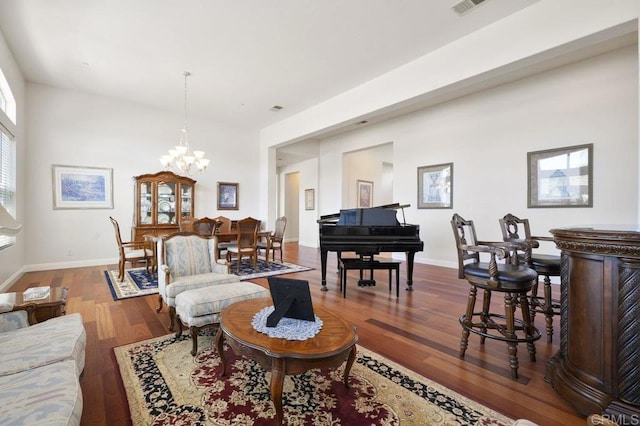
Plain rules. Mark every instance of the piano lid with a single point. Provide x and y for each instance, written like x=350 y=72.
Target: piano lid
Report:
x=384 y=215
x=374 y=216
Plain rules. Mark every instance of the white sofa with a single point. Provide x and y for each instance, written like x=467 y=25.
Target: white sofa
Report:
x=188 y=261
x=40 y=369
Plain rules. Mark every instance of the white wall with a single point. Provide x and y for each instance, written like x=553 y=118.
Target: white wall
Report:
x=72 y=128
x=12 y=258
x=369 y=165
x=487 y=136
x=547 y=31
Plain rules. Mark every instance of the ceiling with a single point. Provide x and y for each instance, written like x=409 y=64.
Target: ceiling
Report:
x=245 y=56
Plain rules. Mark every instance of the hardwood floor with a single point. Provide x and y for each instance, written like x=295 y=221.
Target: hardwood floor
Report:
x=419 y=330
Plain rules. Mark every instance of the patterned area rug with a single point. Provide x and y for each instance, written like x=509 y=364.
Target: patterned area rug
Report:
x=165 y=385
x=248 y=272
x=137 y=282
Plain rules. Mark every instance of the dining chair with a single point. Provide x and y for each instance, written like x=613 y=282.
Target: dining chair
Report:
x=131 y=251
x=205 y=226
x=246 y=242
x=223 y=228
x=273 y=241
x=186 y=224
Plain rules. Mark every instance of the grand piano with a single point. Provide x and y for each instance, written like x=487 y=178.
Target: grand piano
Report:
x=367 y=232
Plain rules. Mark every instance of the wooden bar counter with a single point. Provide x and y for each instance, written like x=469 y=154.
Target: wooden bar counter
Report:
x=597 y=368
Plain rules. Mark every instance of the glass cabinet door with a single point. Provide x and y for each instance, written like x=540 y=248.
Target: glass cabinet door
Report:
x=146 y=203
x=166 y=203
x=186 y=201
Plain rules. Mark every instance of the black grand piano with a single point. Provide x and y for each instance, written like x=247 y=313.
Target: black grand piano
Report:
x=368 y=232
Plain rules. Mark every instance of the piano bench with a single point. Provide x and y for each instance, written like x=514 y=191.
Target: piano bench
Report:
x=360 y=264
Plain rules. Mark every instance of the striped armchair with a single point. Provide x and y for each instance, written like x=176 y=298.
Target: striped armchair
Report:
x=188 y=261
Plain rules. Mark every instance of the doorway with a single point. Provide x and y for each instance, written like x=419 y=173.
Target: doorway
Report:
x=292 y=205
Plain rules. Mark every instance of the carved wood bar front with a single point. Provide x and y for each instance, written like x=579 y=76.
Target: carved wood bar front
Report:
x=597 y=368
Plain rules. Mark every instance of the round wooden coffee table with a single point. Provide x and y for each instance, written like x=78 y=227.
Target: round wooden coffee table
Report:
x=335 y=342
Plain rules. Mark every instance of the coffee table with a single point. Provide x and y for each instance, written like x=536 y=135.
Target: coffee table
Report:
x=335 y=343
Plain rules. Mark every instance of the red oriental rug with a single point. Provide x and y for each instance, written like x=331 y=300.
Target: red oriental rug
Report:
x=165 y=385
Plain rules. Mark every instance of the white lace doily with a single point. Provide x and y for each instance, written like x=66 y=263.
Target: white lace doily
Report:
x=287 y=328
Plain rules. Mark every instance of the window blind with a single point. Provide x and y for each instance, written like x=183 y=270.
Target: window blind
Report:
x=7 y=179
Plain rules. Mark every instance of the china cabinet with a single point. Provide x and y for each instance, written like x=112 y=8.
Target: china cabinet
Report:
x=161 y=200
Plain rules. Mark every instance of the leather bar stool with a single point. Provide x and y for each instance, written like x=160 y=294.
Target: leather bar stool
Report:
x=515 y=229
x=512 y=280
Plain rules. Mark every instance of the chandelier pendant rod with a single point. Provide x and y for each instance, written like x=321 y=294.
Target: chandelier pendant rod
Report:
x=181 y=158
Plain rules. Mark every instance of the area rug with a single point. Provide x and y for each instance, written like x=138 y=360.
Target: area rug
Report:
x=137 y=282
x=248 y=272
x=165 y=385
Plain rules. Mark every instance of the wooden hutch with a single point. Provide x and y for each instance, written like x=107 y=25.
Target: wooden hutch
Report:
x=161 y=200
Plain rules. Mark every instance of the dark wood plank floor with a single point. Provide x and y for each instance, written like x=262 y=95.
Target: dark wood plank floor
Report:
x=419 y=330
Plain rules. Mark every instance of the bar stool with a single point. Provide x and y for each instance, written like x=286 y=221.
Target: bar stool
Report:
x=514 y=281
x=544 y=264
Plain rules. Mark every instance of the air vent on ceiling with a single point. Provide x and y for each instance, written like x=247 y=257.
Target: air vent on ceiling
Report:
x=466 y=5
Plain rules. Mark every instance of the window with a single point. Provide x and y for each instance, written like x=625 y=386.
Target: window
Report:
x=7 y=180
x=7 y=155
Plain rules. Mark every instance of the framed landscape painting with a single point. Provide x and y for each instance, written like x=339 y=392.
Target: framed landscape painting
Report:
x=561 y=177
x=227 y=196
x=76 y=187
x=435 y=186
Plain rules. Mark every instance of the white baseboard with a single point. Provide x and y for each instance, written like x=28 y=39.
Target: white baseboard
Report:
x=67 y=265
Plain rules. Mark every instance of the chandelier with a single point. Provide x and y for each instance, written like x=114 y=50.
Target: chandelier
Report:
x=181 y=158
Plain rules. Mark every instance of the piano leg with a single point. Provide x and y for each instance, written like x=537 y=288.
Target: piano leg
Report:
x=410 y=255
x=323 y=269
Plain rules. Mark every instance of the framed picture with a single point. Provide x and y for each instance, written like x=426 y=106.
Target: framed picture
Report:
x=227 y=196
x=365 y=194
x=435 y=186
x=77 y=187
x=561 y=177
x=309 y=199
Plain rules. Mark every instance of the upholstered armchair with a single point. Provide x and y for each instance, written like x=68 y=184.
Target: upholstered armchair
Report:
x=188 y=261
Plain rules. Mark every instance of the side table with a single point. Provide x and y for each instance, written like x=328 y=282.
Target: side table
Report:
x=43 y=309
